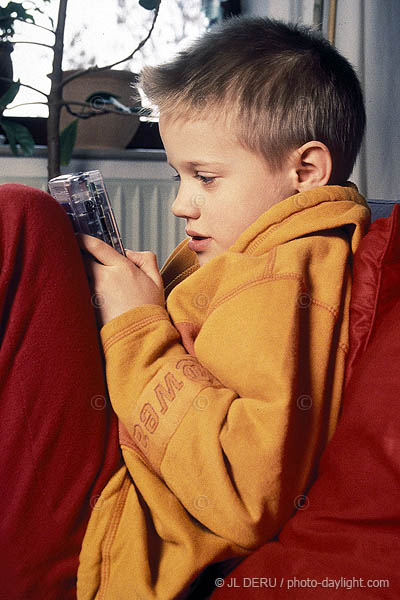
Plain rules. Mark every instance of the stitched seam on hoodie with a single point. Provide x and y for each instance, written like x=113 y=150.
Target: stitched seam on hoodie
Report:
x=173 y=256
x=132 y=328
x=181 y=276
x=269 y=267
x=261 y=280
x=137 y=454
x=255 y=243
x=326 y=306
x=249 y=284
x=110 y=536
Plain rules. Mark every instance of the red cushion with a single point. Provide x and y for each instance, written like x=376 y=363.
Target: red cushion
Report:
x=349 y=533
x=376 y=282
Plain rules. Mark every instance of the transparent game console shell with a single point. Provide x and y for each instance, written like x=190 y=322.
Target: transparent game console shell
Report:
x=86 y=202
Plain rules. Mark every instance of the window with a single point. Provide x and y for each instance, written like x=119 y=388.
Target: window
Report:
x=101 y=33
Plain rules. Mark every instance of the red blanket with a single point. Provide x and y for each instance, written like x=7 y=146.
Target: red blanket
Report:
x=58 y=437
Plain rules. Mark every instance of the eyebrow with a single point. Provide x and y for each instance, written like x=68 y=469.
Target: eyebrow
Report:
x=197 y=163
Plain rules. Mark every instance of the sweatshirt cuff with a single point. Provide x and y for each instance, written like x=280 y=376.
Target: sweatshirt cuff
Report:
x=129 y=321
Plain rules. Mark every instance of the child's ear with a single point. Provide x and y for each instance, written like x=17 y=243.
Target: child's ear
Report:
x=311 y=166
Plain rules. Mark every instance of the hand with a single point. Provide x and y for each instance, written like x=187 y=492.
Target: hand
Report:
x=119 y=283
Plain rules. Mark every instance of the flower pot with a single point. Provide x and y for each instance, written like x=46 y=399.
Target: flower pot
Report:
x=103 y=131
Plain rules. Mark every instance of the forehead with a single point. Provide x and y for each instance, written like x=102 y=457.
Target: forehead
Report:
x=203 y=135
x=209 y=145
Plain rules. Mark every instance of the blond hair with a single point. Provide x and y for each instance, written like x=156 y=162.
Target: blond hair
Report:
x=280 y=85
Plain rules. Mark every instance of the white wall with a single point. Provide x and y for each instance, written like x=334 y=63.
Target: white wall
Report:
x=367 y=34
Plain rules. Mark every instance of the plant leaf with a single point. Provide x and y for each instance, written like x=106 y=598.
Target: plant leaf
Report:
x=9 y=131
x=24 y=139
x=149 y=4
x=10 y=94
x=67 y=141
x=7 y=18
x=19 y=134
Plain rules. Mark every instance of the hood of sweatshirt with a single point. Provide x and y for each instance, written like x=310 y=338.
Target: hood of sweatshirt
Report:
x=322 y=209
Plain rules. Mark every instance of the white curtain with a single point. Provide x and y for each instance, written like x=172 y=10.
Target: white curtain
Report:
x=286 y=10
x=368 y=35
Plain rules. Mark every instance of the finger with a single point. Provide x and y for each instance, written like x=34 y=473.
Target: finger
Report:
x=90 y=264
x=103 y=252
x=147 y=262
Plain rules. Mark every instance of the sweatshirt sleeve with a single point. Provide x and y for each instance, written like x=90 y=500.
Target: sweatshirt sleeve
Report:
x=235 y=431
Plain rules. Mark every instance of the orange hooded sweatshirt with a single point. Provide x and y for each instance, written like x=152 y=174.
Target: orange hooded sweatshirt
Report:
x=225 y=399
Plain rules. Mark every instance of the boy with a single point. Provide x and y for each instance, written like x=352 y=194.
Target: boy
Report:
x=228 y=393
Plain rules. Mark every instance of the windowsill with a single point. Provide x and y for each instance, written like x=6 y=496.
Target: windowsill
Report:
x=97 y=153
x=131 y=163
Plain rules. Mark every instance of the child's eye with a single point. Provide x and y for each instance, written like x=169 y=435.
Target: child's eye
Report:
x=202 y=178
x=205 y=180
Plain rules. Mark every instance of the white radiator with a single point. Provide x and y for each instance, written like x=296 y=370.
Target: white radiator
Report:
x=141 y=193
x=143 y=212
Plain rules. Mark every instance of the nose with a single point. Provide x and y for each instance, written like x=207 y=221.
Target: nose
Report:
x=186 y=205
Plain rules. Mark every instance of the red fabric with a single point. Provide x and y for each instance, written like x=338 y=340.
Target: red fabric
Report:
x=58 y=435
x=350 y=524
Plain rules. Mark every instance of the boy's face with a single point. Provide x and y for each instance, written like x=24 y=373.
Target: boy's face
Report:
x=223 y=186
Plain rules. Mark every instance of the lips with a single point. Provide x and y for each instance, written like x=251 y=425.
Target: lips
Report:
x=199 y=242
x=194 y=234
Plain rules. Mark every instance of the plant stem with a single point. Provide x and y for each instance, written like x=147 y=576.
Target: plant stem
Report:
x=55 y=96
x=24 y=85
x=35 y=43
x=110 y=110
x=36 y=25
x=25 y=104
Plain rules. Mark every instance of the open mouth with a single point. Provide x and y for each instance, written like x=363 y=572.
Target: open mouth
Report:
x=198 y=243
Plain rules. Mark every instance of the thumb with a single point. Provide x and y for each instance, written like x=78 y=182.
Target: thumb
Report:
x=147 y=262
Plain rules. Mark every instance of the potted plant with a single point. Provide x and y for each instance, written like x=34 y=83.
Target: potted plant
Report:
x=97 y=90
x=101 y=102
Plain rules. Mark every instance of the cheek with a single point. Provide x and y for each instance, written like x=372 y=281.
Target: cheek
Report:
x=233 y=224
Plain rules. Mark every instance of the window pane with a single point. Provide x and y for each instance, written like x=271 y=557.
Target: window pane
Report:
x=103 y=35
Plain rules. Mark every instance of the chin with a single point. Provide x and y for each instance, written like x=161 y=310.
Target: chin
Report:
x=202 y=260
x=206 y=257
